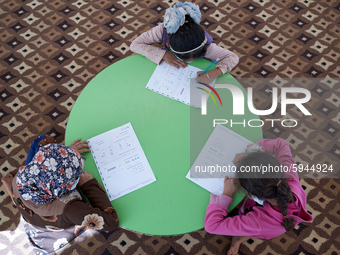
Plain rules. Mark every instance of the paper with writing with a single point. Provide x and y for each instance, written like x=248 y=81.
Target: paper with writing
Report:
x=121 y=161
x=219 y=151
x=175 y=83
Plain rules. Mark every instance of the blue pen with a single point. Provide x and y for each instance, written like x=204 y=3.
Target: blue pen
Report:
x=210 y=66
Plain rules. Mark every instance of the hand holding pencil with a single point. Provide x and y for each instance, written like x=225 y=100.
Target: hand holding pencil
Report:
x=208 y=76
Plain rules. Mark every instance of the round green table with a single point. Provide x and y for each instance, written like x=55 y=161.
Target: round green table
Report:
x=172 y=205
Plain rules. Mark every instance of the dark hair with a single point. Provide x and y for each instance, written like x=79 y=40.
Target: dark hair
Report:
x=189 y=36
x=266 y=185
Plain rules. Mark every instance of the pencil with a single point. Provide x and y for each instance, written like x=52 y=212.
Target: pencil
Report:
x=210 y=66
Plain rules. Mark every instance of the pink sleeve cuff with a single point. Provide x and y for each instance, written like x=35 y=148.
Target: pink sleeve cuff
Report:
x=222 y=200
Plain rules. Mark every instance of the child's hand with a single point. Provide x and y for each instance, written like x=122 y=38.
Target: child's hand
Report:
x=172 y=60
x=238 y=158
x=80 y=146
x=230 y=186
x=84 y=177
x=203 y=78
x=208 y=76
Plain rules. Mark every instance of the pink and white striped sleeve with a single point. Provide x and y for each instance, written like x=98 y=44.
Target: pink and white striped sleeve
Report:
x=142 y=44
x=228 y=60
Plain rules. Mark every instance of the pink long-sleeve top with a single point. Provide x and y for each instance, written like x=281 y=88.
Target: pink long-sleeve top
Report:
x=265 y=221
x=143 y=45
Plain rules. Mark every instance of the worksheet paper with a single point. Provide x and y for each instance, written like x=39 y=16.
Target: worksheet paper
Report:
x=175 y=83
x=220 y=149
x=121 y=161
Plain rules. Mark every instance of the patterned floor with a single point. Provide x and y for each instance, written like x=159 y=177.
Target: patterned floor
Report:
x=50 y=50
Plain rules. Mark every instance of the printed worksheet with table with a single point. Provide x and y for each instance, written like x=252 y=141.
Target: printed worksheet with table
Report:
x=215 y=160
x=121 y=161
x=175 y=84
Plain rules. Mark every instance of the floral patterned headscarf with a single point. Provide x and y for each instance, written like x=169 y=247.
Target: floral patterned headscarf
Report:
x=51 y=174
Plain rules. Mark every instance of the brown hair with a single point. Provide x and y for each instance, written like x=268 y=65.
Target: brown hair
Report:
x=270 y=184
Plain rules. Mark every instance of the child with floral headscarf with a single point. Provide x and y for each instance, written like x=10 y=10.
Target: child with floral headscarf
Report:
x=44 y=191
x=185 y=38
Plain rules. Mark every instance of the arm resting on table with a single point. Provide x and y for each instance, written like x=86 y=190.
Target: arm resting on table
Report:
x=228 y=60
x=142 y=44
x=217 y=222
x=100 y=215
x=280 y=148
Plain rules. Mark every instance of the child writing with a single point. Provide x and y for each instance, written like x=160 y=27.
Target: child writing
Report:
x=187 y=41
x=281 y=201
x=45 y=191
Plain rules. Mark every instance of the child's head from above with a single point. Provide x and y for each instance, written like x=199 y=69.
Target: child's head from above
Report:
x=188 y=43
x=53 y=172
x=256 y=182
x=186 y=37
x=270 y=186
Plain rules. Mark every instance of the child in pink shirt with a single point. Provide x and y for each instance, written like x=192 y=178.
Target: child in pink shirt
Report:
x=284 y=200
x=185 y=38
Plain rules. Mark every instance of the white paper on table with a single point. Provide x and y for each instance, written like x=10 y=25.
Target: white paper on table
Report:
x=220 y=149
x=121 y=161
x=175 y=83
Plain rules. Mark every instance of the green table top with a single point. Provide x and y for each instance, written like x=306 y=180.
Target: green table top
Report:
x=171 y=205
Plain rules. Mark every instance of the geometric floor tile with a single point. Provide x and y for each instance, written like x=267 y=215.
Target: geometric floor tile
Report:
x=123 y=243
x=284 y=241
x=321 y=199
x=155 y=242
x=252 y=243
x=187 y=242
x=91 y=244
x=315 y=240
x=220 y=242
x=328 y=225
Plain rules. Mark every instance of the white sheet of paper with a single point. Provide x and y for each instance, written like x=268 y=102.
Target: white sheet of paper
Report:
x=220 y=149
x=121 y=161
x=175 y=83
